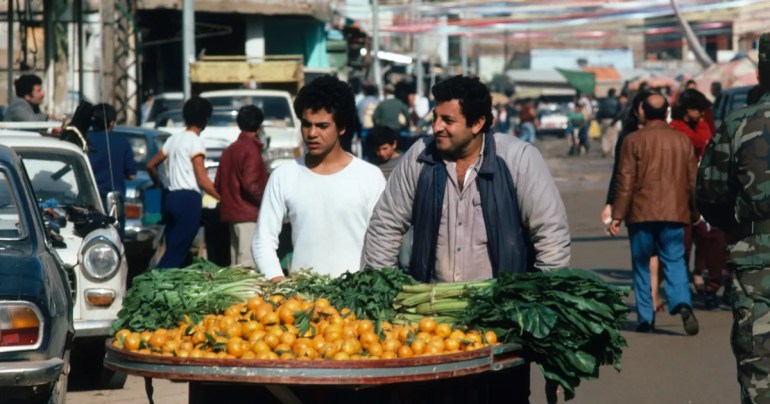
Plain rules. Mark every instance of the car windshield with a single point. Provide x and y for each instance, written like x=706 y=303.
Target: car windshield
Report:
x=160 y=105
x=277 y=109
x=11 y=225
x=62 y=176
x=175 y=119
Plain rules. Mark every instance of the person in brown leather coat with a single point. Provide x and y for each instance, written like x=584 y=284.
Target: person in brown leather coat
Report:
x=241 y=180
x=656 y=199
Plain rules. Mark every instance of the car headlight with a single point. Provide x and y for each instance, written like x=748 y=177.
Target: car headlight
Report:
x=100 y=258
x=278 y=153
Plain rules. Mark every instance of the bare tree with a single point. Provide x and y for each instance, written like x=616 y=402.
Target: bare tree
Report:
x=700 y=54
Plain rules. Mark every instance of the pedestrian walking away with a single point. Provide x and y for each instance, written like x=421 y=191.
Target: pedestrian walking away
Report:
x=185 y=153
x=391 y=112
x=609 y=108
x=241 y=179
x=630 y=123
x=328 y=194
x=688 y=116
x=112 y=160
x=476 y=201
x=732 y=180
x=656 y=198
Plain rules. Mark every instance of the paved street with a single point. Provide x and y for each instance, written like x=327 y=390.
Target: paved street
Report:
x=667 y=367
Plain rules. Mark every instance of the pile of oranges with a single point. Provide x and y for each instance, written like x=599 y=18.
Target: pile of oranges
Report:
x=280 y=328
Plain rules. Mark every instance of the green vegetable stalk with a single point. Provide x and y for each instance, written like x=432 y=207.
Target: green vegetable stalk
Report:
x=158 y=298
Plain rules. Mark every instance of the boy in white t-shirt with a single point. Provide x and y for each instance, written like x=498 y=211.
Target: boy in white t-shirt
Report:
x=187 y=177
x=328 y=194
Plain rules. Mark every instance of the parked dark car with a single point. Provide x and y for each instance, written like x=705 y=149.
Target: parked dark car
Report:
x=36 y=325
x=728 y=101
x=142 y=203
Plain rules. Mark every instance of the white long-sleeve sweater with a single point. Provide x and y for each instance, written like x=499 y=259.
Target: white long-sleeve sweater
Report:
x=329 y=215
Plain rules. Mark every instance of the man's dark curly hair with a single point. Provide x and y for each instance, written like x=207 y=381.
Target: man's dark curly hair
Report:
x=473 y=95
x=329 y=93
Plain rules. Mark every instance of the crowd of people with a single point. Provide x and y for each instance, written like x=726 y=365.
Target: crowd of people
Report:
x=476 y=198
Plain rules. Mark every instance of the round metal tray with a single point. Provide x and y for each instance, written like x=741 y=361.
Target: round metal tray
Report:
x=325 y=372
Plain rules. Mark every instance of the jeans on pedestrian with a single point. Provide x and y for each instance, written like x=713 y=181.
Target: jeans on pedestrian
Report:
x=528 y=132
x=182 y=216
x=667 y=238
x=583 y=137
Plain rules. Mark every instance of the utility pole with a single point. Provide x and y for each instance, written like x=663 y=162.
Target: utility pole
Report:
x=10 y=52
x=108 y=51
x=464 y=54
x=188 y=44
x=418 y=50
x=376 y=46
x=700 y=54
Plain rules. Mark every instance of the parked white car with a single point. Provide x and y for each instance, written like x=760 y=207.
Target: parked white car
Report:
x=281 y=127
x=159 y=104
x=61 y=175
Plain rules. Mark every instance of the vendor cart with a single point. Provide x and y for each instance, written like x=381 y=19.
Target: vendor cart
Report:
x=405 y=380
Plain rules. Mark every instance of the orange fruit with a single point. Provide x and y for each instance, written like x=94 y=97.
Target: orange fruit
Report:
x=341 y=356
x=234 y=331
x=388 y=355
x=368 y=338
x=427 y=324
x=322 y=303
x=254 y=303
x=391 y=345
x=271 y=318
x=271 y=340
x=491 y=337
x=277 y=298
x=132 y=341
x=418 y=346
x=405 y=352
x=288 y=338
x=234 y=347
x=443 y=330
x=364 y=326
x=157 y=340
x=375 y=349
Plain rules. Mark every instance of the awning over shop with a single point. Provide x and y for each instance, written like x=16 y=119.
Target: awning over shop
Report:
x=584 y=82
x=320 y=9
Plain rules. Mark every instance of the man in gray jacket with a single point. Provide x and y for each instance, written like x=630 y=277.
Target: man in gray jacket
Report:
x=479 y=204
x=25 y=108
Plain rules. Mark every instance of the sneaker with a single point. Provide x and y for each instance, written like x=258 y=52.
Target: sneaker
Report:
x=688 y=319
x=645 y=327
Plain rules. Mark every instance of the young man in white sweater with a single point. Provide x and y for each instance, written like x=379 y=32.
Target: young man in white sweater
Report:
x=328 y=194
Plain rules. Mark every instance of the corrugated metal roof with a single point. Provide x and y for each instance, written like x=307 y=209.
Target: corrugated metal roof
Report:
x=320 y=9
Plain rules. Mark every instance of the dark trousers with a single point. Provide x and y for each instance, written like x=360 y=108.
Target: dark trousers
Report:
x=182 y=215
x=710 y=255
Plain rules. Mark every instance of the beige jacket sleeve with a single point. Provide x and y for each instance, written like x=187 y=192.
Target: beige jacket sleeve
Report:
x=393 y=213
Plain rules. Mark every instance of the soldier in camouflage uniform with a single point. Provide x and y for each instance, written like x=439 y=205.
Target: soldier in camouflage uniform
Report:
x=733 y=193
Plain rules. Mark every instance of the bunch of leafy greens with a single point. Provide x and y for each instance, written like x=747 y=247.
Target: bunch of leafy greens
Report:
x=368 y=293
x=160 y=297
x=568 y=321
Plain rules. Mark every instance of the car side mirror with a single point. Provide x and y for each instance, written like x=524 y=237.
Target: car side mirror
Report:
x=113 y=204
